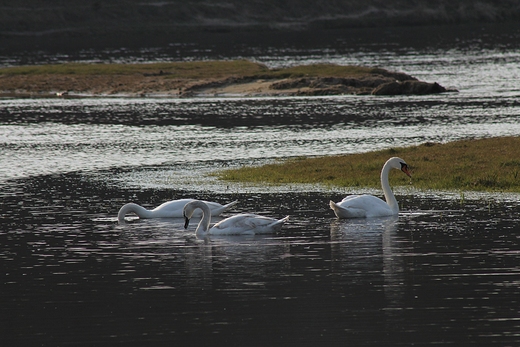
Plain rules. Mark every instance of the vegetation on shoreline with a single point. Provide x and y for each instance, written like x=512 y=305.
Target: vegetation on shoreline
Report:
x=195 y=70
x=196 y=78
x=491 y=164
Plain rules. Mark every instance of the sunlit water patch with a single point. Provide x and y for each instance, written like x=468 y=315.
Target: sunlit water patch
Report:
x=49 y=136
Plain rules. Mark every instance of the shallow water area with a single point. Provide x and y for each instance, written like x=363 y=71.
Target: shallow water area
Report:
x=445 y=271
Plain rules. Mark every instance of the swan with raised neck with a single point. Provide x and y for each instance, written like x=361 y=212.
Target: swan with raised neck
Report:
x=362 y=206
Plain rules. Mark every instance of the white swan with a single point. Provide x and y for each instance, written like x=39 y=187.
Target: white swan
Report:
x=240 y=224
x=363 y=206
x=169 y=209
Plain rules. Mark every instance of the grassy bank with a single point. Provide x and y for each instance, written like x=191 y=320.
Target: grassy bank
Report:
x=480 y=165
x=195 y=70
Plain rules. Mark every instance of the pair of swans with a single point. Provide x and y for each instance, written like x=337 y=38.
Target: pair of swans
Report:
x=368 y=206
x=169 y=209
x=241 y=224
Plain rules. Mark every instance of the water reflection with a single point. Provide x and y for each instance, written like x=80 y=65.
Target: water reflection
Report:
x=438 y=264
x=365 y=246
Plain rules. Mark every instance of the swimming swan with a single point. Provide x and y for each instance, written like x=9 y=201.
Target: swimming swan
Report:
x=240 y=224
x=362 y=206
x=169 y=209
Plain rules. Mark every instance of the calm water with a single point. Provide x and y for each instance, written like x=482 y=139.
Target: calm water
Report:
x=445 y=272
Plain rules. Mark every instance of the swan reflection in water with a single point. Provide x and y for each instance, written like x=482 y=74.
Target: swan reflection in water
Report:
x=238 y=264
x=367 y=249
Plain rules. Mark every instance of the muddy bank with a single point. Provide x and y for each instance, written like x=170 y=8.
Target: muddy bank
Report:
x=158 y=85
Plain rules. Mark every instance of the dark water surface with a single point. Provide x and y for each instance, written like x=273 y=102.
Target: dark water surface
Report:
x=446 y=271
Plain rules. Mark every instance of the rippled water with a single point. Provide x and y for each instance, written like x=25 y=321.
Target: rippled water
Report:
x=47 y=136
x=444 y=272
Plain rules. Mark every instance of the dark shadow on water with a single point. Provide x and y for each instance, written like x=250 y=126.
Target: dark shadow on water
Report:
x=189 y=45
x=298 y=113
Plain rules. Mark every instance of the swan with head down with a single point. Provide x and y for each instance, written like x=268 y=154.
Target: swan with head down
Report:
x=169 y=209
x=240 y=224
x=366 y=206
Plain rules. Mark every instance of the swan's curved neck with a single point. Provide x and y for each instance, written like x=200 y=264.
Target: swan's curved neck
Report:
x=389 y=195
x=135 y=208
x=205 y=221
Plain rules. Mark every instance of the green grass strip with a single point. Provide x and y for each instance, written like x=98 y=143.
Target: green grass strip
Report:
x=491 y=164
x=194 y=70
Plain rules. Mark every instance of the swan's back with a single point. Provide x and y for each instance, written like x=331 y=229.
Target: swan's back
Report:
x=175 y=208
x=361 y=206
x=171 y=209
x=247 y=224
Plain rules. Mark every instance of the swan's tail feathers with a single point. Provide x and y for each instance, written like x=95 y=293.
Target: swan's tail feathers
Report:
x=224 y=208
x=342 y=212
x=231 y=204
x=277 y=225
x=335 y=208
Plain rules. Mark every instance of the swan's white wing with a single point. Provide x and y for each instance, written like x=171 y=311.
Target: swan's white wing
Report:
x=345 y=212
x=174 y=208
x=360 y=206
x=274 y=226
x=171 y=209
x=366 y=202
x=246 y=223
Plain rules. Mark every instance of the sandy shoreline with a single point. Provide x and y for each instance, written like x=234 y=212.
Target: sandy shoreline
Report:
x=141 y=85
x=131 y=86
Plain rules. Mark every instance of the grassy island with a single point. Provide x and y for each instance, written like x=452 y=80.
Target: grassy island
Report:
x=491 y=164
x=204 y=78
x=193 y=70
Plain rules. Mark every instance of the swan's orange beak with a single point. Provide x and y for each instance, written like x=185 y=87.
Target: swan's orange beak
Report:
x=404 y=168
